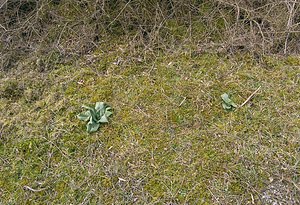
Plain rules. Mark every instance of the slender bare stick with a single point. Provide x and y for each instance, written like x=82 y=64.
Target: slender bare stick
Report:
x=182 y=101
x=119 y=13
x=291 y=8
x=34 y=190
x=249 y=98
x=3 y=3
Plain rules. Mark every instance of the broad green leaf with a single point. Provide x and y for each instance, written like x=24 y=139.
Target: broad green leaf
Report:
x=234 y=105
x=87 y=107
x=84 y=116
x=226 y=107
x=96 y=115
x=103 y=119
x=92 y=127
x=108 y=113
x=99 y=106
x=101 y=112
x=91 y=109
x=226 y=99
x=227 y=103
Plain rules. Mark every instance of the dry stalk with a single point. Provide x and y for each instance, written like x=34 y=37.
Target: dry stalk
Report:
x=250 y=97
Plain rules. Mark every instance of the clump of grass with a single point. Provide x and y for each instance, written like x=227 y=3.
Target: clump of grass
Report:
x=11 y=90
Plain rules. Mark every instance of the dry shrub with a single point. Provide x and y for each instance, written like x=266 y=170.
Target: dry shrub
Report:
x=57 y=30
x=267 y=26
x=47 y=31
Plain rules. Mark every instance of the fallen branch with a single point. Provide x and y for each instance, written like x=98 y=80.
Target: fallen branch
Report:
x=34 y=190
x=182 y=101
x=250 y=97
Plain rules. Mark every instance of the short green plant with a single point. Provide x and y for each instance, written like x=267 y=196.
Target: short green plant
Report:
x=227 y=103
x=95 y=116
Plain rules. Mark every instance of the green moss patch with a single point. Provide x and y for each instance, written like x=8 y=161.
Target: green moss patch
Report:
x=169 y=140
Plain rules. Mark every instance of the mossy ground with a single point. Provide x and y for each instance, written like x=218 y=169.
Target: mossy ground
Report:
x=169 y=141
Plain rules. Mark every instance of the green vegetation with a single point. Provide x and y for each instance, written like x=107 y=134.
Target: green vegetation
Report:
x=95 y=116
x=169 y=142
x=227 y=103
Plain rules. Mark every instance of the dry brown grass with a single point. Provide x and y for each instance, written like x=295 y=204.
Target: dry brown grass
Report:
x=59 y=31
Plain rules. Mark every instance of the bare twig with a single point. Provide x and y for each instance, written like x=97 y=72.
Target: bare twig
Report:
x=119 y=13
x=34 y=190
x=249 y=98
x=3 y=3
x=262 y=35
x=61 y=33
x=3 y=27
x=291 y=8
x=182 y=101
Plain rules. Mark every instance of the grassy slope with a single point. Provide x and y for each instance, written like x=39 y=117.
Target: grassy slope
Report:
x=169 y=141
